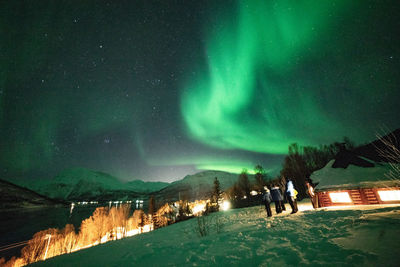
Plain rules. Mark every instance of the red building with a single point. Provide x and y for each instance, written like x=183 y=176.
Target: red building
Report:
x=361 y=176
x=356 y=185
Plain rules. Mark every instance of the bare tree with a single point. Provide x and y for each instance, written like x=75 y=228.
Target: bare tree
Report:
x=163 y=216
x=36 y=248
x=68 y=239
x=234 y=192
x=388 y=147
x=260 y=177
x=244 y=183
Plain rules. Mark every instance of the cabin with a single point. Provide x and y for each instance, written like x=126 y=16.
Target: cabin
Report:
x=360 y=176
x=355 y=185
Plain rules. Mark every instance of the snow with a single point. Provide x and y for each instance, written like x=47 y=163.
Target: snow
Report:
x=141 y=186
x=353 y=177
x=78 y=183
x=361 y=235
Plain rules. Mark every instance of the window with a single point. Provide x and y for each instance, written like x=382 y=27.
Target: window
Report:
x=340 y=197
x=389 y=195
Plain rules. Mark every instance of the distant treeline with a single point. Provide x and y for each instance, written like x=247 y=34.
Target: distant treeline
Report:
x=298 y=165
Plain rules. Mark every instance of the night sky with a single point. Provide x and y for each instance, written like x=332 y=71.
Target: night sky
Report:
x=155 y=90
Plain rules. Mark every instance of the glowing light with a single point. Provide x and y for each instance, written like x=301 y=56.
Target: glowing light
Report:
x=389 y=195
x=219 y=106
x=72 y=207
x=340 y=197
x=226 y=205
x=198 y=208
x=147 y=228
x=254 y=193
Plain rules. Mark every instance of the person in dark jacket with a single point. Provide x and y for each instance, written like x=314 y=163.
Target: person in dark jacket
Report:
x=267 y=201
x=311 y=193
x=282 y=189
x=291 y=195
x=277 y=198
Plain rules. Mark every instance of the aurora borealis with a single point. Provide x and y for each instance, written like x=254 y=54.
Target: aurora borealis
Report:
x=155 y=90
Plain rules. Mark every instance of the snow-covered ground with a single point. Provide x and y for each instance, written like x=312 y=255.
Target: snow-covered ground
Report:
x=365 y=236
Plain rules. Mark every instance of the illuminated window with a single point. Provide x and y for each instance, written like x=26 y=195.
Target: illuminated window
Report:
x=340 y=197
x=389 y=195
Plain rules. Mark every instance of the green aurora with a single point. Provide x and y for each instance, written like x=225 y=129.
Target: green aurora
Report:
x=275 y=76
x=160 y=89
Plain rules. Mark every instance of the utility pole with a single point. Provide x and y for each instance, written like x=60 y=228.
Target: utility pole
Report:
x=48 y=236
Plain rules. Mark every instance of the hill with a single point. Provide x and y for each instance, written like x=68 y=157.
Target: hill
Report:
x=145 y=187
x=13 y=196
x=246 y=237
x=197 y=186
x=80 y=184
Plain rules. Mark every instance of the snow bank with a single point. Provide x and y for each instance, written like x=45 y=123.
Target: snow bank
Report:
x=353 y=177
x=247 y=237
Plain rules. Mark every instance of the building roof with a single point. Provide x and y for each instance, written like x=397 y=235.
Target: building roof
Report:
x=353 y=177
x=345 y=157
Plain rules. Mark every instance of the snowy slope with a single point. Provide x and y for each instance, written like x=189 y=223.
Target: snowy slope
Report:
x=248 y=238
x=198 y=186
x=352 y=177
x=76 y=183
x=225 y=179
x=141 y=186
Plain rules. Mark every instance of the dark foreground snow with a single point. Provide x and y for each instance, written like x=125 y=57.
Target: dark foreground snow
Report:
x=367 y=236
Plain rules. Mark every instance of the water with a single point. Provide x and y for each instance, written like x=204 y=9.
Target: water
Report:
x=21 y=225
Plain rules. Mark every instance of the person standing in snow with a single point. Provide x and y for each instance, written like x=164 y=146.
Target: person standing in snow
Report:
x=277 y=198
x=267 y=201
x=311 y=193
x=291 y=195
x=282 y=189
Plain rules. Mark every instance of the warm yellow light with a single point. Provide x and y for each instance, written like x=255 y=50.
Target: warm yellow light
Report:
x=340 y=197
x=254 y=193
x=226 y=205
x=389 y=195
x=198 y=208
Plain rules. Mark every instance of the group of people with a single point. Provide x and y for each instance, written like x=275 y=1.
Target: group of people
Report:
x=275 y=195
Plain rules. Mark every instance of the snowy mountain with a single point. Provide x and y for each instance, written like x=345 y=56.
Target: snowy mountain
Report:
x=145 y=187
x=197 y=186
x=13 y=196
x=79 y=184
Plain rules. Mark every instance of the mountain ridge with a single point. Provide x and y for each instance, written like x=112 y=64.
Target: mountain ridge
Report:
x=13 y=196
x=80 y=184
